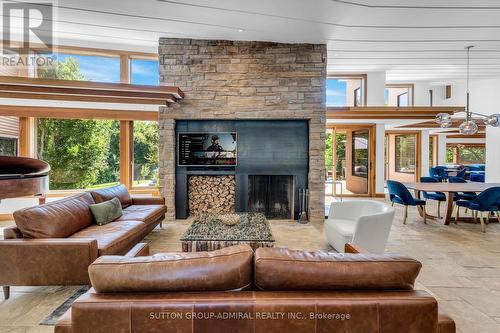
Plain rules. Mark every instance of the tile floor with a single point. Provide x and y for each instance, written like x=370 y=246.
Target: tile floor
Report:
x=461 y=268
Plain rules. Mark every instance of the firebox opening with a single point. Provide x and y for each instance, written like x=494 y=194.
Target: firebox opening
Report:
x=271 y=195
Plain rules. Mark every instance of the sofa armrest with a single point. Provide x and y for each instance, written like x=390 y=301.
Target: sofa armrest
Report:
x=148 y=200
x=445 y=323
x=59 y=261
x=139 y=250
x=63 y=324
x=353 y=248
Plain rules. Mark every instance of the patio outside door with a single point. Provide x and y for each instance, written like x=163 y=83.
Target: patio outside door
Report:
x=353 y=160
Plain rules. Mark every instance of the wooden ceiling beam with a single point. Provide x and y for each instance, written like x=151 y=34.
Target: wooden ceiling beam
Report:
x=461 y=136
x=388 y=112
x=70 y=92
x=116 y=89
x=83 y=98
x=76 y=113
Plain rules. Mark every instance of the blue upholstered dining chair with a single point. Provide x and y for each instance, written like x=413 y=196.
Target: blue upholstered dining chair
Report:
x=461 y=173
x=462 y=195
x=398 y=193
x=439 y=173
x=477 y=177
x=438 y=196
x=486 y=201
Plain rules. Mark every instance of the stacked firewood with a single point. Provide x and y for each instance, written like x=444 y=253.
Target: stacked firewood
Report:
x=211 y=194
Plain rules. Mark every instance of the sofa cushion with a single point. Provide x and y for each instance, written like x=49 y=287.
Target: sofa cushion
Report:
x=226 y=269
x=283 y=269
x=57 y=219
x=108 y=193
x=106 y=211
x=145 y=213
x=115 y=237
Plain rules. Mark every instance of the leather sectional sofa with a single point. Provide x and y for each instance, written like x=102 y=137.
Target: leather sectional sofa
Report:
x=54 y=243
x=274 y=290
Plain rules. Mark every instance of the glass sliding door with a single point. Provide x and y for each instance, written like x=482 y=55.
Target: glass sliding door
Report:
x=360 y=141
x=335 y=162
x=360 y=164
x=350 y=149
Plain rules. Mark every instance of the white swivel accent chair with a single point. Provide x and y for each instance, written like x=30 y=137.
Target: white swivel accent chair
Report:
x=365 y=223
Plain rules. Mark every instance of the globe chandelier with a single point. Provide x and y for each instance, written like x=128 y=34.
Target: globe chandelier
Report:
x=469 y=126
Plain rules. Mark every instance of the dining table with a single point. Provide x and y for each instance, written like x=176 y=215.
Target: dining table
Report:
x=448 y=189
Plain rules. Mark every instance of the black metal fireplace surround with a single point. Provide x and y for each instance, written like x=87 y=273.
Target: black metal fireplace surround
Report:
x=272 y=165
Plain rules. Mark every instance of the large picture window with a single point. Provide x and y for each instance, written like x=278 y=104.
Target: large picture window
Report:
x=144 y=71
x=360 y=152
x=83 y=68
x=400 y=95
x=405 y=146
x=345 y=91
x=145 y=171
x=466 y=153
x=82 y=153
x=8 y=146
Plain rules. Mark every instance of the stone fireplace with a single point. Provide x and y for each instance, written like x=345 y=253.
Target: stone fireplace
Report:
x=276 y=90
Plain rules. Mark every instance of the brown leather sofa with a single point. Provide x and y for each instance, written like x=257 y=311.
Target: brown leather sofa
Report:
x=274 y=290
x=54 y=243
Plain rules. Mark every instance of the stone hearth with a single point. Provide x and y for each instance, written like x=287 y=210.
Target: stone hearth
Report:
x=211 y=194
x=239 y=80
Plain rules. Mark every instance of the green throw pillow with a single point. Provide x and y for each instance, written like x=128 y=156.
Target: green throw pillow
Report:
x=106 y=211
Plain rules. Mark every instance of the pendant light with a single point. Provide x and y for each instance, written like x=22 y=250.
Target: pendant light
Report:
x=469 y=126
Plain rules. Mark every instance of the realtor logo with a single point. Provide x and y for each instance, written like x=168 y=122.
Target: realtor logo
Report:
x=31 y=21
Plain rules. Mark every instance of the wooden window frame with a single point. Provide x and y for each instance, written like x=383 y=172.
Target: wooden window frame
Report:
x=364 y=84
x=418 y=135
x=409 y=86
x=435 y=151
x=27 y=124
x=396 y=137
x=372 y=160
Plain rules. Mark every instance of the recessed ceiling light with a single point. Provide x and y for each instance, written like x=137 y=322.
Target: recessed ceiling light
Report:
x=241 y=30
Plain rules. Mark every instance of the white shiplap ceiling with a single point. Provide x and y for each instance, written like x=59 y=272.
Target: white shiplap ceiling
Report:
x=410 y=39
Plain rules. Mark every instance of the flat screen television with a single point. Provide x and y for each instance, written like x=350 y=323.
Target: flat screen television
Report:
x=214 y=148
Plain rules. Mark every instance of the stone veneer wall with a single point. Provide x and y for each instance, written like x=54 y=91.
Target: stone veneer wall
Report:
x=245 y=80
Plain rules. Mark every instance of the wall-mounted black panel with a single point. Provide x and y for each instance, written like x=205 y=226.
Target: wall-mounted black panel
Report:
x=267 y=147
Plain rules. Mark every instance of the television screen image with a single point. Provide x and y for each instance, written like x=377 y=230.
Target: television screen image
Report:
x=217 y=148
